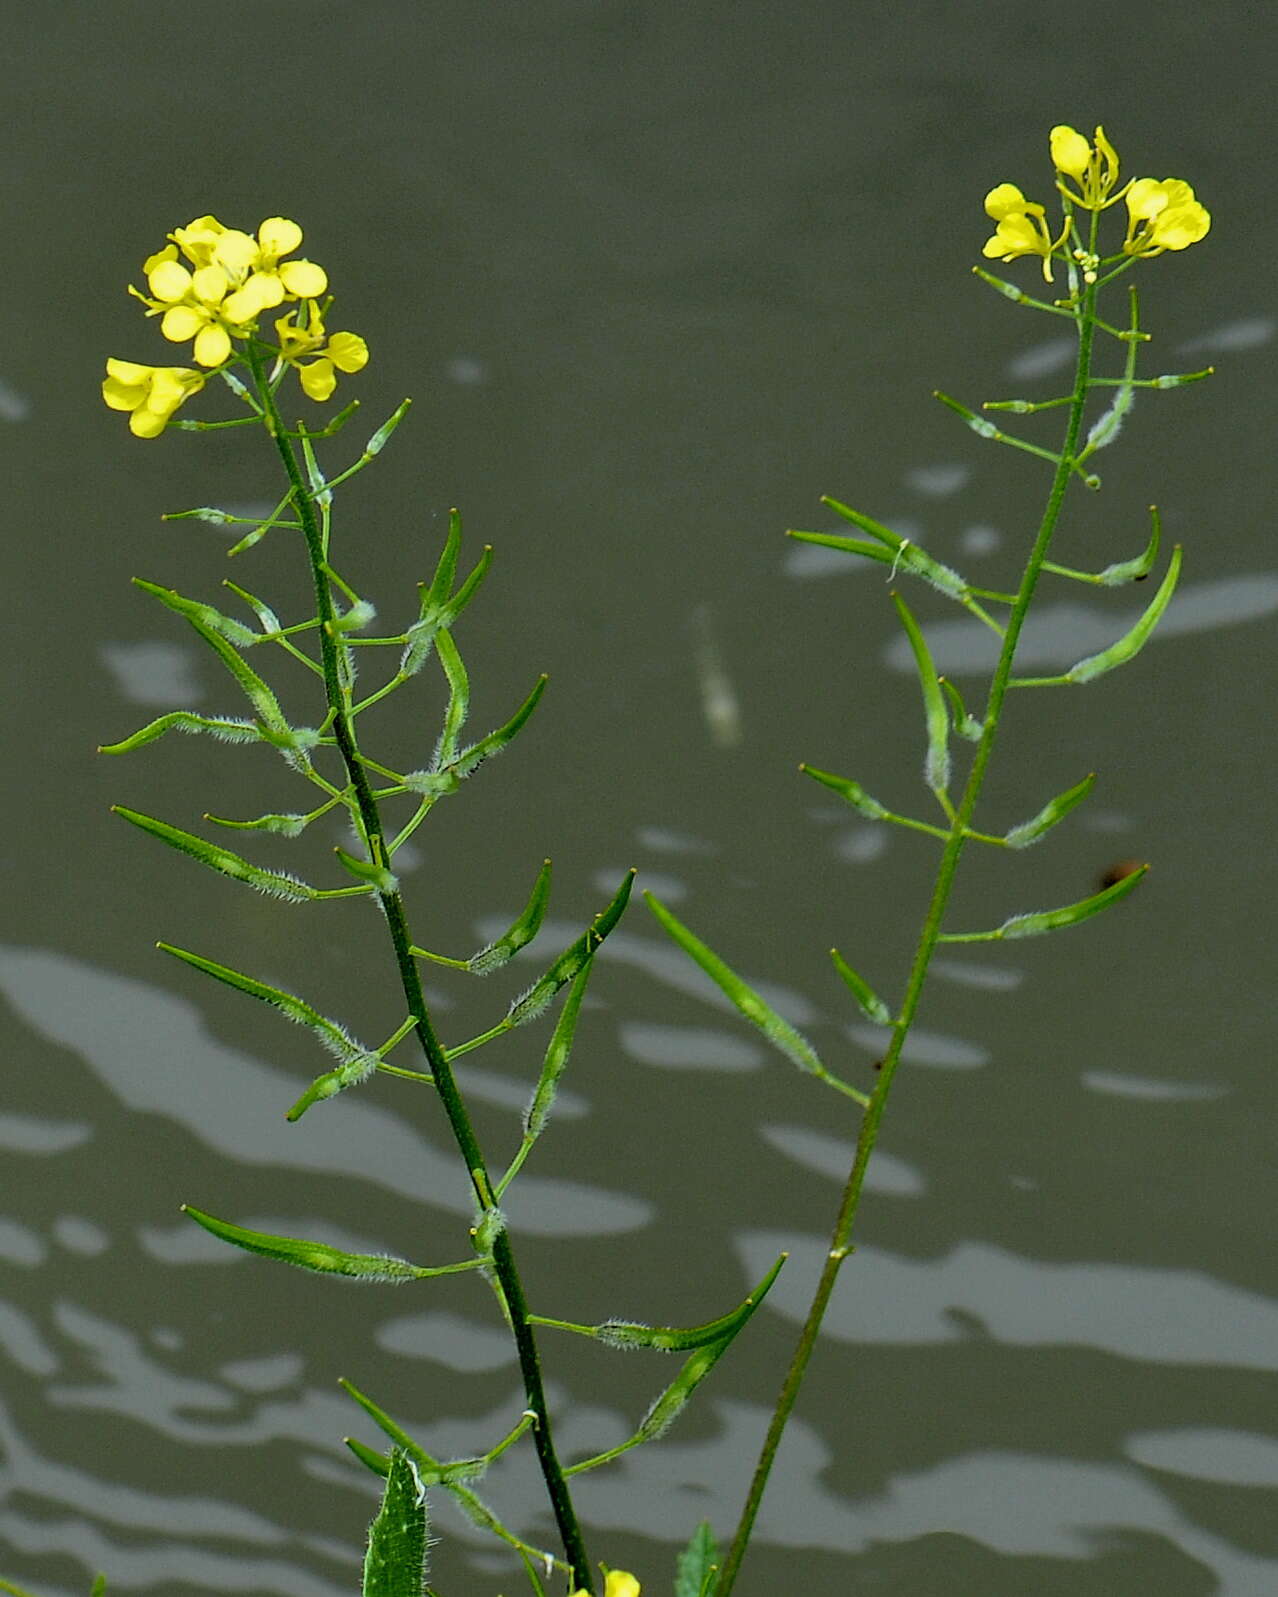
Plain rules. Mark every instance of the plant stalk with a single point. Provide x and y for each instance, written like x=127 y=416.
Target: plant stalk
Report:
x=840 y=1245
x=504 y=1265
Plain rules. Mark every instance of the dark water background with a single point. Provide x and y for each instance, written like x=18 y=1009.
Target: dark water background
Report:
x=657 y=276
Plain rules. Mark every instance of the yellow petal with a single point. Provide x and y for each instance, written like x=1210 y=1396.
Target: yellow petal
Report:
x=1070 y=151
x=348 y=352
x=146 y=424
x=619 y=1584
x=122 y=396
x=127 y=371
x=318 y=380
x=168 y=280
x=1146 y=198
x=237 y=252
x=212 y=345
x=1179 y=226
x=210 y=284
x=1004 y=199
x=304 y=278
x=262 y=291
x=168 y=253
x=181 y=322
x=278 y=236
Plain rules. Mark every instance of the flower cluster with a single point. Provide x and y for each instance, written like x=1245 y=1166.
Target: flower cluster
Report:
x=1162 y=215
x=215 y=298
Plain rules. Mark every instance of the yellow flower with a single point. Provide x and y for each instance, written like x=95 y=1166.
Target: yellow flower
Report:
x=284 y=279
x=1021 y=229
x=191 y=305
x=232 y=279
x=1163 y=216
x=150 y=394
x=617 y=1584
x=346 y=352
x=1094 y=168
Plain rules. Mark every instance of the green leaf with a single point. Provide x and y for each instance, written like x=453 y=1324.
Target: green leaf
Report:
x=1056 y=810
x=319 y=1257
x=780 y=1033
x=936 y=769
x=627 y=1334
x=566 y=967
x=395 y=1564
x=697 y=1569
x=525 y=927
x=278 y=884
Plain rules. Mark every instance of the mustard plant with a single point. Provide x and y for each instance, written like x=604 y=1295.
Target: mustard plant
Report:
x=215 y=287
x=1162 y=215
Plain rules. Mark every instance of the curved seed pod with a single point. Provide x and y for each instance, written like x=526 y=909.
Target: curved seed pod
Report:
x=525 y=927
x=226 y=729
x=318 y=1256
x=872 y=1006
x=332 y=1082
x=1133 y=641
x=852 y=792
x=220 y=632
x=291 y=825
x=378 y=441
x=1036 y=922
x=936 y=766
x=905 y=553
x=780 y=1033
x=277 y=883
x=557 y=1052
x=366 y=871
x=562 y=970
x=674 y=1339
x=331 y=1035
x=448 y=779
x=1138 y=569
x=1056 y=810
x=1051 y=920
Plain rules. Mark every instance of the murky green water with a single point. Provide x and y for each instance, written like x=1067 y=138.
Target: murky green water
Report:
x=657 y=277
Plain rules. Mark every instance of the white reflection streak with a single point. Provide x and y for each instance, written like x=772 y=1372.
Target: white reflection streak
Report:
x=154 y=1052
x=1056 y=636
x=1137 y=1311
x=719 y=702
x=1014 y=1503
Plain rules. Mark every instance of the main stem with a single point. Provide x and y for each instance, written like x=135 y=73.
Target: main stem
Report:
x=504 y=1266
x=840 y=1246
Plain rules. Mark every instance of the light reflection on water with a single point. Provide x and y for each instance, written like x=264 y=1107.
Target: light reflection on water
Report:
x=1135 y=1311
x=1058 y=635
x=153 y=1051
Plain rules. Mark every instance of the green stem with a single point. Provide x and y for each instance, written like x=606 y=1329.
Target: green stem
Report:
x=840 y=1246
x=504 y=1266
